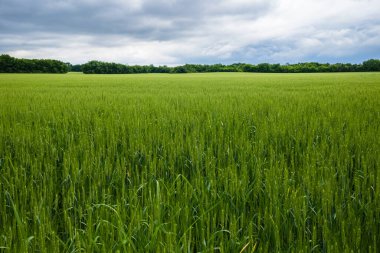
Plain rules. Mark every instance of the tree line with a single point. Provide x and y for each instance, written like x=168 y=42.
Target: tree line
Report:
x=98 y=67
x=10 y=64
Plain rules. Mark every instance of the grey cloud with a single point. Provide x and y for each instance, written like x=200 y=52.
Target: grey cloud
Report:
x=150 y=19
x=198 y=31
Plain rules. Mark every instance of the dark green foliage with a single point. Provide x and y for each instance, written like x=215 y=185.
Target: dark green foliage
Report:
x=183 y=69
x=75 y=68
x=97 y=67
x=264 y=68
x=10 y=64
x=371 y=65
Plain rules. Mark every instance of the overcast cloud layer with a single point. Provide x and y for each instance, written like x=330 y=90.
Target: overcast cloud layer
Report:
x=199 y=31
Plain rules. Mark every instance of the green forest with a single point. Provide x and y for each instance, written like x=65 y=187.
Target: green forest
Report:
x=10 y=64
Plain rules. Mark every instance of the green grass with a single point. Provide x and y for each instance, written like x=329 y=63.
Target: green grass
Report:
x=224 y=162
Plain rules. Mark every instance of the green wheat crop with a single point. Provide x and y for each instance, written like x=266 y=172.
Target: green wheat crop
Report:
x=229 y=162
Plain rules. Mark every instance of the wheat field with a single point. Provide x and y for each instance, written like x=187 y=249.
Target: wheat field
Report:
x=227 y=162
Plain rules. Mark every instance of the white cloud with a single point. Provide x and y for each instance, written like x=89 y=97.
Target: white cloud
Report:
x=176 y=32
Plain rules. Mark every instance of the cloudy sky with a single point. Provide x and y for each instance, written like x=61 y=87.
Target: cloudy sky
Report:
x=174 y=32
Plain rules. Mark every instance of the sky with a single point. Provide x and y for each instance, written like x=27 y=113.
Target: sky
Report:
x=174 y=32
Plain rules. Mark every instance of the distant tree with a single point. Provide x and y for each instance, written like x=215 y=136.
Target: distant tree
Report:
x=179 y=69
x=275 y=68
x=10 y=64
x=96 y=67
x=371 y=65
x=263 y=67
x=76 y=68
x=7 y=64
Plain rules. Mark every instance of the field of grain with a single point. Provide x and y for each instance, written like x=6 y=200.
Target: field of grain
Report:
x=228 y=162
